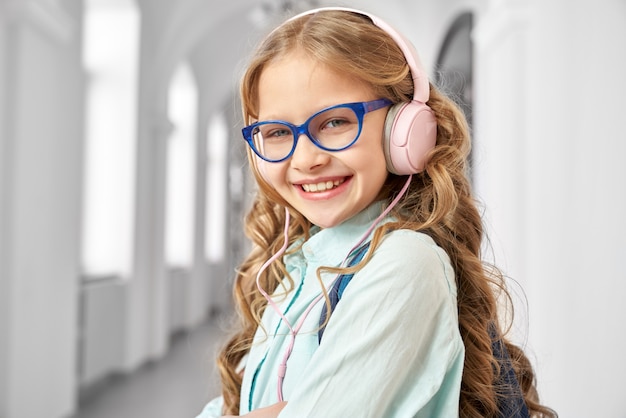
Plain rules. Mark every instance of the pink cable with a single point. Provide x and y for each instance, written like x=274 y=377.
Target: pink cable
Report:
x=282 y=368
x=270 y=261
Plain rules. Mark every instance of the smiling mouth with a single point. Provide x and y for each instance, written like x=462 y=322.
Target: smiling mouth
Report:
x=322 y=186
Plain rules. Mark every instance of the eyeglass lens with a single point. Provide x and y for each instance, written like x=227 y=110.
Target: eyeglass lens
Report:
x=333 y=129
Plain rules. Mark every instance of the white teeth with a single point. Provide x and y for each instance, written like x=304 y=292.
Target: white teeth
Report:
x=321 y=187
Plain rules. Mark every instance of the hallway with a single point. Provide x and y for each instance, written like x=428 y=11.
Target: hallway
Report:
x=178 y=386
x=125 y=183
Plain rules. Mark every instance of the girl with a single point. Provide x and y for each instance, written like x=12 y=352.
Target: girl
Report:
x=361 y=167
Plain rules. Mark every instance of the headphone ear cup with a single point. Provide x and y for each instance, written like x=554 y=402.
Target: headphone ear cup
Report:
x=410 y=133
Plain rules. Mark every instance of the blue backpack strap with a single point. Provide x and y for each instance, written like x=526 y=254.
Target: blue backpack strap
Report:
x=339 y=286
x=510 y=400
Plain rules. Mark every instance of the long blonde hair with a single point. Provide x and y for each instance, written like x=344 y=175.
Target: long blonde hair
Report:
x=439 y=202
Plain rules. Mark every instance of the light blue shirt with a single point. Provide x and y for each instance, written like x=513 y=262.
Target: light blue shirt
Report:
x=392 y=347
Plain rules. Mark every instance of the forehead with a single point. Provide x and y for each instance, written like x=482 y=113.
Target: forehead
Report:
x=297 y=85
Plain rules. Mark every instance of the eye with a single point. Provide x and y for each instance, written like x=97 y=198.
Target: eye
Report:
x=335 y=123
x=277 y=133
x=335 y=120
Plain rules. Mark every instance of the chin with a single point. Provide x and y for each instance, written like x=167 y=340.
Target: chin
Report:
x=326 y=222
x=324 y=225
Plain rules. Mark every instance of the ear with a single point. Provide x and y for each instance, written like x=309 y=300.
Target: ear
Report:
x=410 y=133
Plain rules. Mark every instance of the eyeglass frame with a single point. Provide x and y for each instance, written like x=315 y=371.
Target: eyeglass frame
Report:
x=359 y=109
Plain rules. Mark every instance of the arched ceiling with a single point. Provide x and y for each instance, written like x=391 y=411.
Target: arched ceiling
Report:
x=217 y=38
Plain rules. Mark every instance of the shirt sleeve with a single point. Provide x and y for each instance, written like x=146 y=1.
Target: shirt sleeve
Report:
x=213 y=409
x=392 y=346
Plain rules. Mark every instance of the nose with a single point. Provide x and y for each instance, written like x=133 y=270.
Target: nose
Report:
x=307 y=156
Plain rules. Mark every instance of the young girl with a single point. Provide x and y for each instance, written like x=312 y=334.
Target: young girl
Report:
x=362 y=174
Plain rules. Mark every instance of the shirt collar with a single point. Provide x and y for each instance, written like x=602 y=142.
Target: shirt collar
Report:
x=330 y=246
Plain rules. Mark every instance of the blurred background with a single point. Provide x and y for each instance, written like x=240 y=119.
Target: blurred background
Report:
x=123 y=186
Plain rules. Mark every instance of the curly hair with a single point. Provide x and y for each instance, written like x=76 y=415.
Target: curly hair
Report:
x=439 y=203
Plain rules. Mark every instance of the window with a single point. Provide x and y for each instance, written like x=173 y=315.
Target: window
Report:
x=181 y=169
x=217 y=191
x=110 y=58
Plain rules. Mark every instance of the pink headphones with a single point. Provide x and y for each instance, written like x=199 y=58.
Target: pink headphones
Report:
x=410 y=127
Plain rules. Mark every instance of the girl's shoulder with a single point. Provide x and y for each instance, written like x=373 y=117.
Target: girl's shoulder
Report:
x=409 y=254
x=415 y=244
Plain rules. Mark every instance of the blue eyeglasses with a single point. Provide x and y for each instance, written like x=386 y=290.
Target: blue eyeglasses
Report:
x=332 y=129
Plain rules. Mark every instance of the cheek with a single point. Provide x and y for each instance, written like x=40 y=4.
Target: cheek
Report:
x=378 y=172
x=261 y=166
x=372 y=166
x=275 y=188
x=371 y=157
x=273 y=174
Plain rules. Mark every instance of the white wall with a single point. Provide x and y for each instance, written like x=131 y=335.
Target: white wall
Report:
x=4 y=256
x=550 y=98
x=41 y=158
x=578 y=204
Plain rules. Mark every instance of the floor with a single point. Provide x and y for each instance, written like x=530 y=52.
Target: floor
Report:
x=178 y=386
